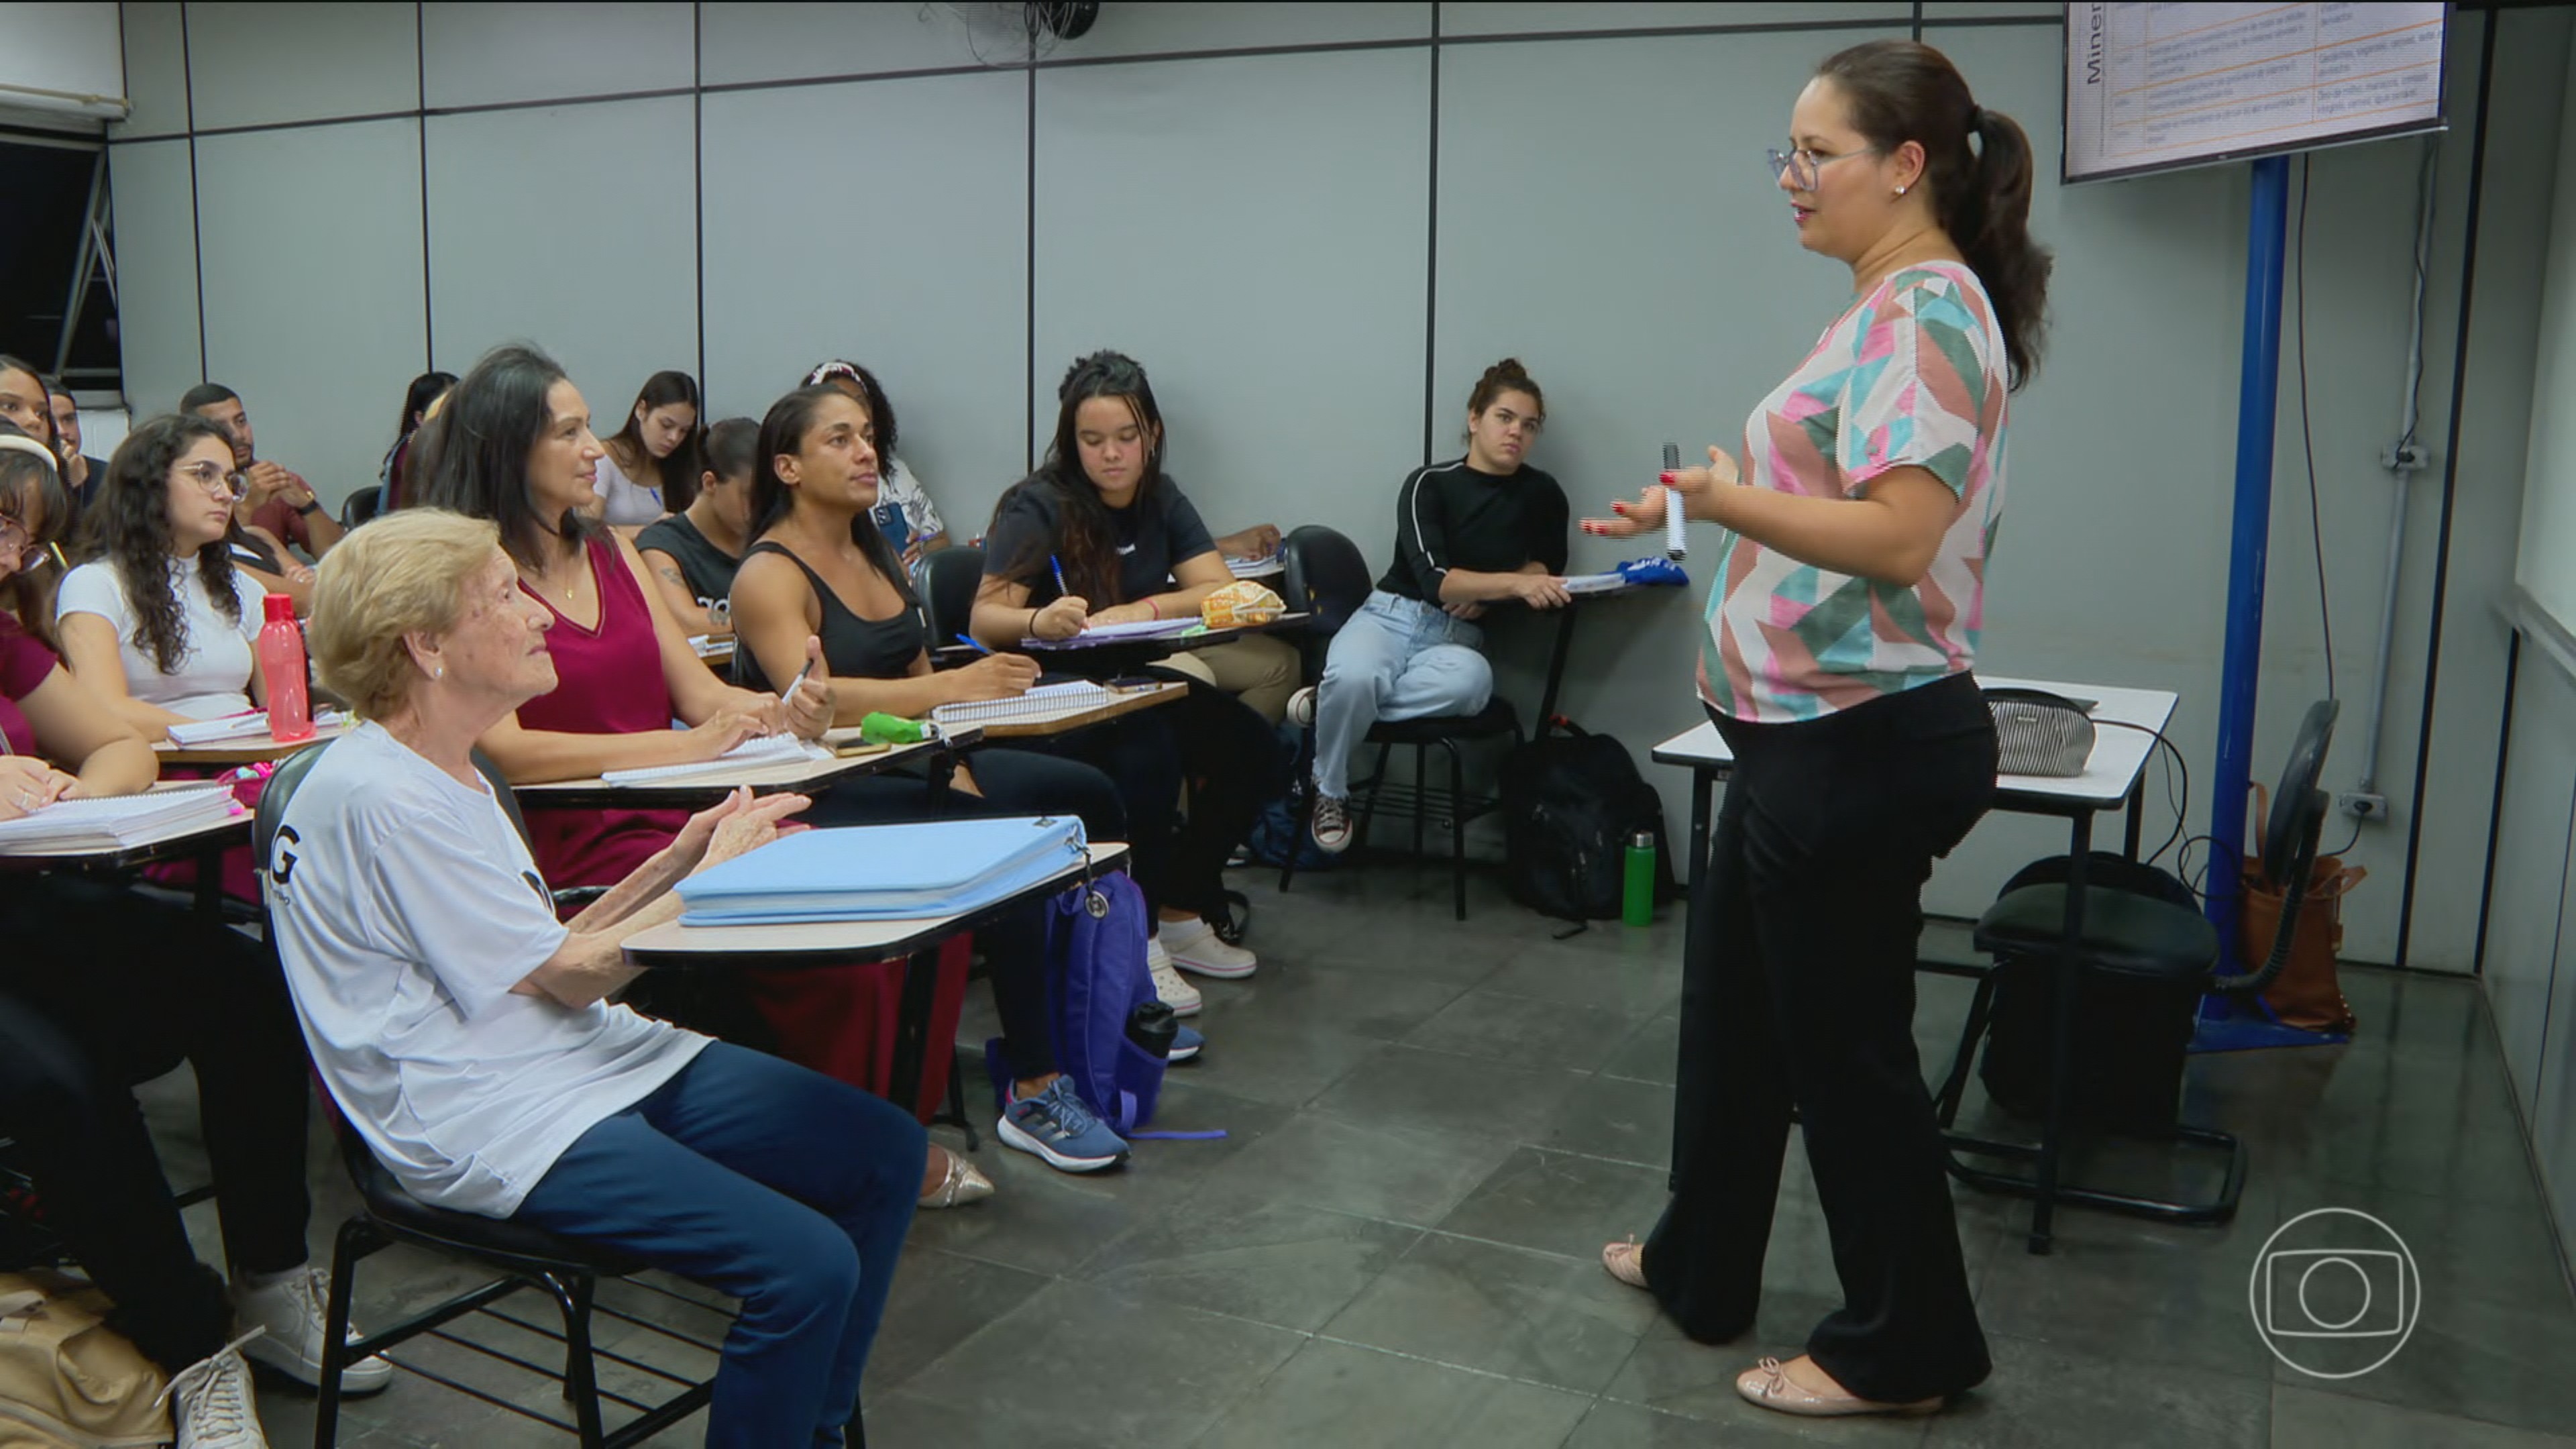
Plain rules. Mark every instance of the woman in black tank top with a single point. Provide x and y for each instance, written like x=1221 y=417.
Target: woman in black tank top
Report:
x=820 y=569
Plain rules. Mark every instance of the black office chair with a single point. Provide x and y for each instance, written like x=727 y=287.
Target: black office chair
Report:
x=1325 y=575
x=361 y=505
x=2137 y=936
x=564 y=1269
x=950 y=578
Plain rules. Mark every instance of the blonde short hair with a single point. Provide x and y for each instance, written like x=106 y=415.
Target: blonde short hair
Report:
x=402 y=573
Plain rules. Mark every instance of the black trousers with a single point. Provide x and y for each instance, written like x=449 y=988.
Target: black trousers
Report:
x=1227 y=756
x=1799 y=989
x=1012 y=782
x=102 y=990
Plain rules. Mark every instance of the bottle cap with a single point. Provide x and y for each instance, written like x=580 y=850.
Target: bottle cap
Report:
x=277 y=607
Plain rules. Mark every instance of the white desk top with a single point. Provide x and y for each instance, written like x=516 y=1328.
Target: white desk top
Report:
x=849 y=940
x=706 y=789
x=2112 y=772
x=245 y=750
x=165 y=844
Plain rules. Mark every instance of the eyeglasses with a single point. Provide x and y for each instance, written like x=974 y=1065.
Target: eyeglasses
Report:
x=18 y=543
x=1804 y=166
x=215 y=478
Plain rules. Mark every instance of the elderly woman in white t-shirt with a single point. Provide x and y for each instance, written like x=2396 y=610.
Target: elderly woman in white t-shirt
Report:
x=159 y=623
x=468 y=1034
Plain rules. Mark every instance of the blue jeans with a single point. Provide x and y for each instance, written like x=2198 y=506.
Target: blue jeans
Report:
x=1395 y=660
x=773 y=1184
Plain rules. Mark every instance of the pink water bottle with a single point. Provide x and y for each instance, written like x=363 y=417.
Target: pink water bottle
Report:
x=281 y=660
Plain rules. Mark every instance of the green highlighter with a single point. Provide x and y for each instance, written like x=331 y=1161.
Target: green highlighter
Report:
x=880 y=728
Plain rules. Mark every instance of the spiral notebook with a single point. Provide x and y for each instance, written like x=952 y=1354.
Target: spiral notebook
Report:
x=116 y=821
x=766 y=750
x=1045 y=702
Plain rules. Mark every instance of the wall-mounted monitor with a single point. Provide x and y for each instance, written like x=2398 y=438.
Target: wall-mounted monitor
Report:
x=2158 y=87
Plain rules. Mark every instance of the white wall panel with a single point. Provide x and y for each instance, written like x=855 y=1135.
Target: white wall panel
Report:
x=156 y=251
x=313 y=305
x=825 y=239
x=568 y=227
x=480 y=54
x=260 y=64
x=1253 y=231
x=760 y=42
x=1527 y=17
x=156 y=71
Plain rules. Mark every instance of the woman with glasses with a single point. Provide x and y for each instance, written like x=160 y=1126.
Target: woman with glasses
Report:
x=1483 y=529
x=1842 y=626
x=159 y=624
x=101 y=989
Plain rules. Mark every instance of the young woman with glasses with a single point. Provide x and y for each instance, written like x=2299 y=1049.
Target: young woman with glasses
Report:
x=1842 y=626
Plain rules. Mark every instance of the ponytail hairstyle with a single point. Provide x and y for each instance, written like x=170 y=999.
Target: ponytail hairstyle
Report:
x=33 y=485
x=1505 y=376
x=1085 y=542
x=733 y=448
x=678 y=473
x=128 y=524
x=1903 y=90
x=783 y=430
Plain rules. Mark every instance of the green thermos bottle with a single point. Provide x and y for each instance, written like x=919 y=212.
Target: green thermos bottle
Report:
x=1637 y=895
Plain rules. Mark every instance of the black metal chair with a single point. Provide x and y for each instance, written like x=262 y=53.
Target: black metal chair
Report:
x=1326 y=575
x=361 y=505
x=950 y=578
x=565 y=1270
x=2132 y=934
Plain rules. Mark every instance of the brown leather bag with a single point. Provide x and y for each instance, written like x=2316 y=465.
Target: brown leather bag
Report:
x=2307 y=993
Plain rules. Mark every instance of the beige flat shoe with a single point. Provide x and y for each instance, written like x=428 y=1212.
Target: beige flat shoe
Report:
x=962 y=1185
x=1768 y=1384
x=1626 y=1262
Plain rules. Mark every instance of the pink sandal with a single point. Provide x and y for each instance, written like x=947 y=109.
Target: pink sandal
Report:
x=1625 y=1262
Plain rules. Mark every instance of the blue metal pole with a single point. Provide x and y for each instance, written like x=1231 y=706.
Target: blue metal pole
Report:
x=2266 y=238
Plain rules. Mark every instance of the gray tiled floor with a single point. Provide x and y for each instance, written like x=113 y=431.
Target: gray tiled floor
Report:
x=1433 y=1127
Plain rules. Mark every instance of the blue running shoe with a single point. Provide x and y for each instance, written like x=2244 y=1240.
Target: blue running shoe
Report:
x=1185 y=1045
x=1055 y=1126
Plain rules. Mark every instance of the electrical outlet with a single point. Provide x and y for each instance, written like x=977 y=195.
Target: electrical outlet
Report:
x=2406 y=458
x=2362 y=807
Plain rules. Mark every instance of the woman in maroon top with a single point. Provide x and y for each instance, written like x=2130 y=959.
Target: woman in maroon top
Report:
x=513 y=445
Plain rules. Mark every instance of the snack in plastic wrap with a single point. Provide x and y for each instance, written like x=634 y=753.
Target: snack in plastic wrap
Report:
x=1239 y=603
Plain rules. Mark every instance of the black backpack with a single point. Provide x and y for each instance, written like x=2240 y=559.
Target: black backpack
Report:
x=1570 y=803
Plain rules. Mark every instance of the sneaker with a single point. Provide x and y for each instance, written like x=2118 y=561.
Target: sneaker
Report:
x=289 y=1315
x=1169 y=988
x=210 y=1403
x=1332 y=828
x=1301 y=708
x=1185 y=1045
x=1056 y=1127
x=1195 y=946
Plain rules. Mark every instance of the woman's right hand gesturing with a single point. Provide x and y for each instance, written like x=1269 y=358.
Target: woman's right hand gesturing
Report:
x=1062 y=619
x=996 y=676
x=1694 y=485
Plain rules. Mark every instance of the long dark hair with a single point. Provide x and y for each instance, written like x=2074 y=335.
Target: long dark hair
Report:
x=473 y=457
x=783 y=430
x=128 y=524
x=25 y=479
x=1085 y=542
x=423 y=391
x=44 y=400
x=880 y=411
x=680 y=469
x=1903 y=90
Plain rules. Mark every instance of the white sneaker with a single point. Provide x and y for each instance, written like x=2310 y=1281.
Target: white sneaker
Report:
x=1179 y=995
x=1195 y=946
x=210 y=1404
x=289 y=1314
x=1301 y=708
x=1332 y=827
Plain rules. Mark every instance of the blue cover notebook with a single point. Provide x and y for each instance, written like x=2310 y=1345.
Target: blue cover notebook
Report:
x=883 y=872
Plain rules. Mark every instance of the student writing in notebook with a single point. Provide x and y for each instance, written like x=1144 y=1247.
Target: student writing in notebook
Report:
x=822 y=569
x=101 y=989
x=1103 y=516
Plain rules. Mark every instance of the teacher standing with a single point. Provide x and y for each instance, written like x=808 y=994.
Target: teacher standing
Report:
x=1841 y=630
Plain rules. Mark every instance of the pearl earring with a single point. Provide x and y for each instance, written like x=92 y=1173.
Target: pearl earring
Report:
x=438 y=671
x=1900 y=191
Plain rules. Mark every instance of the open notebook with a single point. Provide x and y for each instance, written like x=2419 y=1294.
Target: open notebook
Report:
x=117 y=821
x=248 y=725
x=1045 y=702
x=766 y=750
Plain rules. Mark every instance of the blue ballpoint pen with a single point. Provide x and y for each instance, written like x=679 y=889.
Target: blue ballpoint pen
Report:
x=971 y=642
x=1058 y=565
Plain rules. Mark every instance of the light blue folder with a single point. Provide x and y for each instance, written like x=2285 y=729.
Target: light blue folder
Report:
x=883 y=872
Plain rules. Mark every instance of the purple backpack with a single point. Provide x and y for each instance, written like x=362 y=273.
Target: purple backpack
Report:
x=1096 y=978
